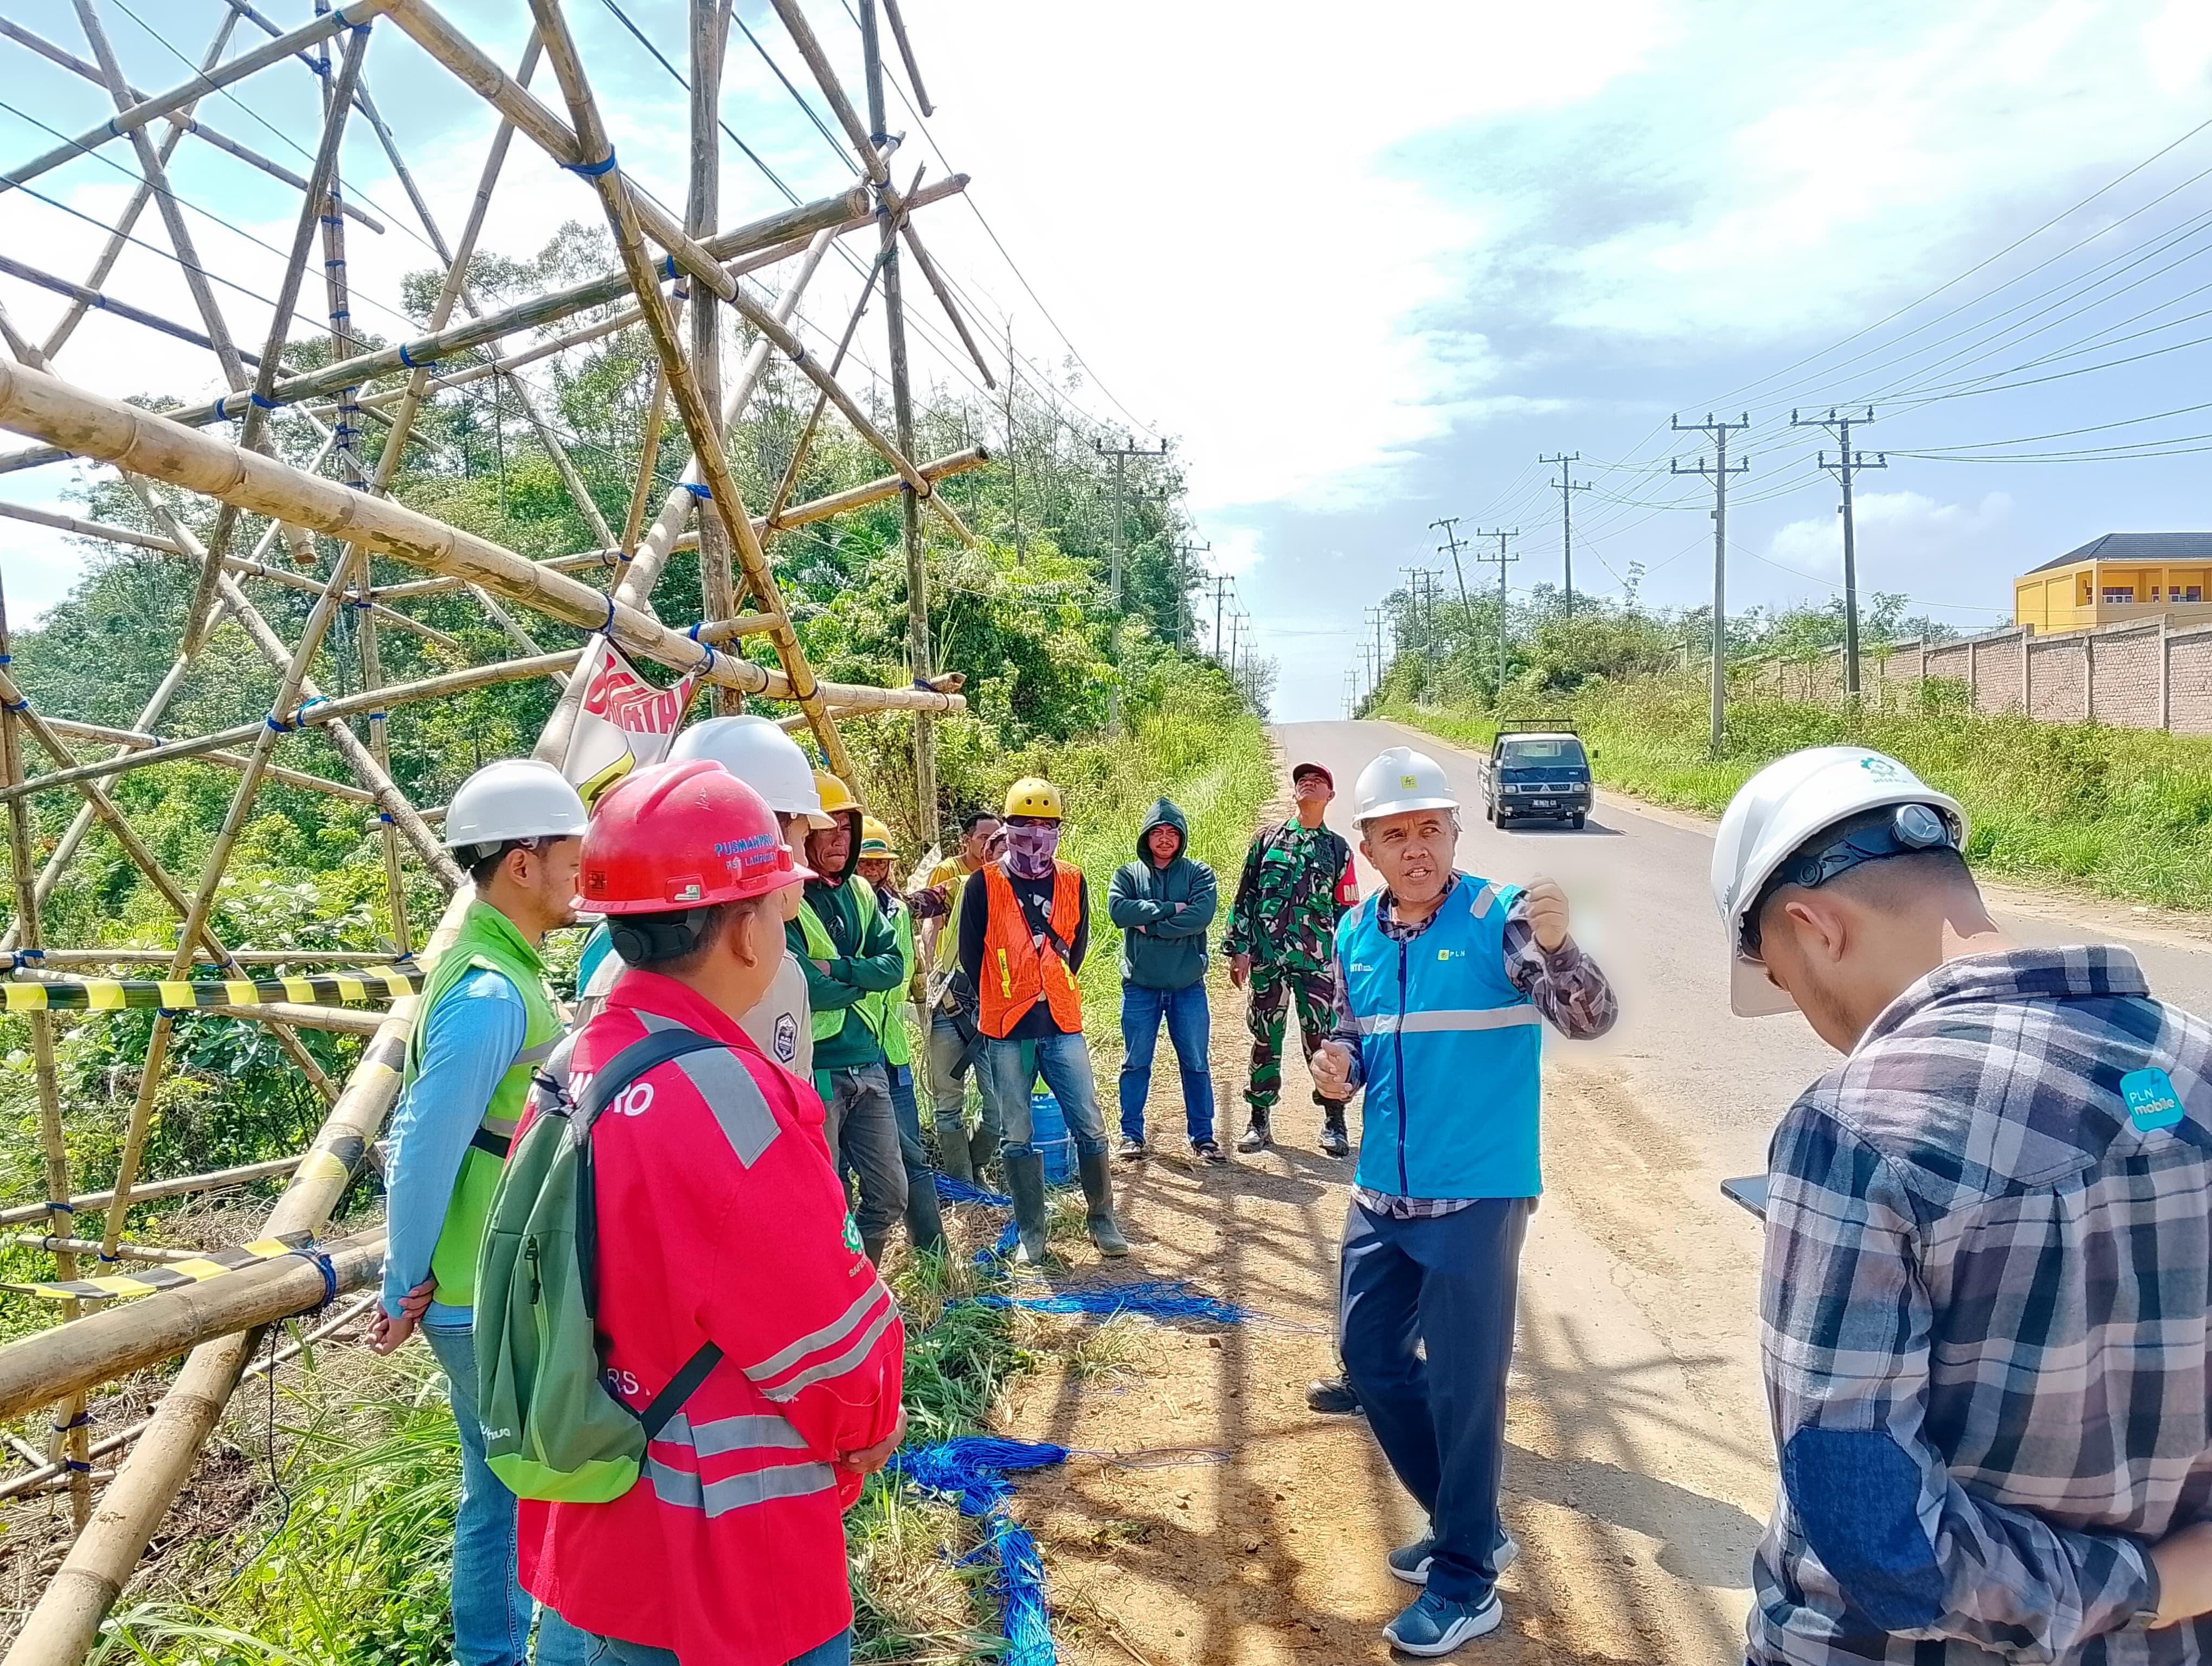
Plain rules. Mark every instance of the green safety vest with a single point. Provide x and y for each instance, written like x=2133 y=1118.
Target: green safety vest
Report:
x=487 y=940
x=831 y=1022
x=889 y=1022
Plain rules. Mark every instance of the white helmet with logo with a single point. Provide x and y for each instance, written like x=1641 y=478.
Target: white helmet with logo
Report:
x=517 y=797
x=762 y=755
x=1789 y=802
x=1398 y=781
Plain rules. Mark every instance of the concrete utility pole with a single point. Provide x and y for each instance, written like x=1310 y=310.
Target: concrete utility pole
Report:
x=1847 y=464
x=1184 y=579
x=917 y=571
x=1121 y=454
x=1719 y=469
x=1566 y=485
x=1415 y=635
x=1220 y=590
x=1013 y=450
x=1447 y=526
x=1503 y=561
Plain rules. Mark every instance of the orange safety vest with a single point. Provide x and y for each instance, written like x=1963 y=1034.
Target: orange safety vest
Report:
x=1017 y=969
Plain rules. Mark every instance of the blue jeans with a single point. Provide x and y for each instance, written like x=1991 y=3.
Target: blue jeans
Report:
x=1425 y=1321
x=1064 y=1060
x=912 y=1152
x=1189 y=1029
x=612 y=1652
x=491 y=1611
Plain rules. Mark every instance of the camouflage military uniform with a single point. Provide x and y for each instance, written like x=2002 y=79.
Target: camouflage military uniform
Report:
x=1296 y=883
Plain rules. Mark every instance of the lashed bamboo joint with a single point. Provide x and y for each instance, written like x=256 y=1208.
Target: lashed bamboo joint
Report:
x=361 y=406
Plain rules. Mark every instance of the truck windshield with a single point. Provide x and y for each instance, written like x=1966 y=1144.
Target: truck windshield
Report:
x=1544 y=757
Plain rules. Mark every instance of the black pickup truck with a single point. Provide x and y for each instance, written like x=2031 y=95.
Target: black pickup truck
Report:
x=1536 y=772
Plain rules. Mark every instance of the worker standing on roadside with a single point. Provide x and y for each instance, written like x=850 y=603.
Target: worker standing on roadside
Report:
x=768 y=761
x=735 y=1315
x=485 y=1020
x=956 y=1044
x=1443 y=982
x=1984 y=1313
x=925 y=1223
x=1296 y=884
x=852 y=957
x=1163 y=902
x=1024 y=927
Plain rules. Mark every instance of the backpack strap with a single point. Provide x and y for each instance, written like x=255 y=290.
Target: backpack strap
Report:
x=681 y=1387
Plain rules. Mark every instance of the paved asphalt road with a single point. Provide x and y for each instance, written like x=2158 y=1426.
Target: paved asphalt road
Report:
x=1637 y=882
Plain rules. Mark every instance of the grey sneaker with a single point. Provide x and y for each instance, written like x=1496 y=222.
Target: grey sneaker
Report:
x=1432 y=1625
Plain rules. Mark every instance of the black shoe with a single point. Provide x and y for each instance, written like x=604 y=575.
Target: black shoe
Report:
x=1257 y=1137
x=1130 y=1151
x=1334 y=1396
x=1335 y=1139
x=1205 y=1151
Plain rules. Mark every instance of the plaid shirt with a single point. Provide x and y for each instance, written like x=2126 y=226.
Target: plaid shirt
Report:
x=1983 y=1324
x=1565 y=984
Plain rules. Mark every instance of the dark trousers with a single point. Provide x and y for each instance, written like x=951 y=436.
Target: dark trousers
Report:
x=1442 y=1288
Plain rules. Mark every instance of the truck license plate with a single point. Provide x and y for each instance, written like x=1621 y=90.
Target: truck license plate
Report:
x=1545 y=804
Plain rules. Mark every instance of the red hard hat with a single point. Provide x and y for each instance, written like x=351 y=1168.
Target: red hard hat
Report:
x=682 y=836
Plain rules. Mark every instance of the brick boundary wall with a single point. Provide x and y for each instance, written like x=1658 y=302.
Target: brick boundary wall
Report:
x=2146 y=675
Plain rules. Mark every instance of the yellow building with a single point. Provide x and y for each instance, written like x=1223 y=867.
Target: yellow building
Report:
x=2117 y=579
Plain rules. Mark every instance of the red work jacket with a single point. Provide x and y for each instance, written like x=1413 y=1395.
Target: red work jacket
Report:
x=720 y=1219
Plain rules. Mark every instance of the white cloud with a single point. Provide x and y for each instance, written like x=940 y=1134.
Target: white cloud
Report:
x=1901 y=537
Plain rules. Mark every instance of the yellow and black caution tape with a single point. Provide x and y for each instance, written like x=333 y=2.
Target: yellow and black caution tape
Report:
x=112 y=994
x=169 y=1275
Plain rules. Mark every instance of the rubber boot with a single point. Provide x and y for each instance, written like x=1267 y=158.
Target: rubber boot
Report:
x=872 y=1245
x=1257 y=1135
x=952 y=1160
x=1025 y=1181
x=1335 y=1138
x=925 y=1223
x=982 y=1147
x=1098 y=1194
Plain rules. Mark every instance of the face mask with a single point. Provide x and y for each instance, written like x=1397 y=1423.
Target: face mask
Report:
x=1029 y=850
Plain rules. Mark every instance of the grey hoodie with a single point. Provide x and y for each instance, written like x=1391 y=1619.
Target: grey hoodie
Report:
x=1163 y=947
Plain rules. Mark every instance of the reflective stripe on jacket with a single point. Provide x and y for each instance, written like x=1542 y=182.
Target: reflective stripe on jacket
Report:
x=720 y=1219
x=1449 y=1049
x=1017 y=968
x=487 y=939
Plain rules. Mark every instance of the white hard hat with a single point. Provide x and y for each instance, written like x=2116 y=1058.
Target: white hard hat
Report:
x=517 y=797
x=1776 y=812
x=1399 y=780
x=760 y=755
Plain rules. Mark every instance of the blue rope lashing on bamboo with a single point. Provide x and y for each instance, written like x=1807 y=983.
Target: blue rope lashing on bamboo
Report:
x=254 y=395
x=416 y=364
x=55 y=1206
x=82 y=1420
x=320 y=1257
x=593 y=170
x=608 y=628
x=22 y=705
x=38 y=955
x=7 y=659
x=697 y=489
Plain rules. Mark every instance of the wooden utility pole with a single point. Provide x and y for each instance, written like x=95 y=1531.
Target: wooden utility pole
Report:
x=1718 y=468
x=917 y=572
x=1566 y=485
x=1847 y=464
x=1013 y=450
x=1121 y=454
x=1503 y=561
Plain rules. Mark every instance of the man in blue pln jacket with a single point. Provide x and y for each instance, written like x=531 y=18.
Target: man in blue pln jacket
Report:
x=1443 y=982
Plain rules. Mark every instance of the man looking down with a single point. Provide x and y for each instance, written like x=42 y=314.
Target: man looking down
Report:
x=1989 y=1233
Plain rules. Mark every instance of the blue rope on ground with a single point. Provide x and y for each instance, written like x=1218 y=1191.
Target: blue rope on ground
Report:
x=950 y=1191
x=1156 y=1298
x=970 y=1470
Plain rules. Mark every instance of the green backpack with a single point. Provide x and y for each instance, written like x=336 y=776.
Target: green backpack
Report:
x=552 y=1428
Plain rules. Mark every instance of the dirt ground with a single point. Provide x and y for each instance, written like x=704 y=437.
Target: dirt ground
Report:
x=1213 y=1518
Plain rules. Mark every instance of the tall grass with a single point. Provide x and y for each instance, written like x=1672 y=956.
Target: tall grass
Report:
x=2122 y=812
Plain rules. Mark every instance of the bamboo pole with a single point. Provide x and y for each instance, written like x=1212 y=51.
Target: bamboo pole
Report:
x=274 y=1013
x=134 y=115
x=135 y=741
x=720 y=486
x=944 y=292
x=106 y=303
x=648 y=458
x=199 y=129
x=98 y=529
x=906 y=51
x=810 y=48
x=70 y=1442
x=789 y=483
x=215 y=1180
x=10 y=960
x=718 y=597
x=288 y=581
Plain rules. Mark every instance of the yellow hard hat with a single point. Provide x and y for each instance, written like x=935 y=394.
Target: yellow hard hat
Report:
x=875 y=839
x=1033 y=796
x=835 y=795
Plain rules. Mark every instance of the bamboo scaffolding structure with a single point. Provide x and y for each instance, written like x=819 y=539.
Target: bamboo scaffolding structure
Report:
x=146 y=1252
x=98 y=529
x=789 y=483
x=199 y=129
x=943 y=291
x=388 y=614
x=135 y=741
x=336 y=1019
x=134 y=114
x=10 y=959
x=40 y=1478
x=906 y=52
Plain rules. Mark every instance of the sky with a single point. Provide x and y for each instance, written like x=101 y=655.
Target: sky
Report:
x=1362 y=268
